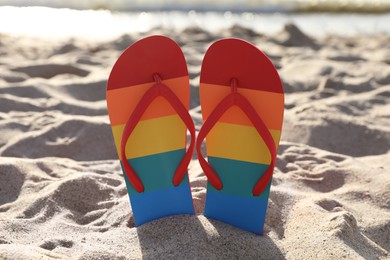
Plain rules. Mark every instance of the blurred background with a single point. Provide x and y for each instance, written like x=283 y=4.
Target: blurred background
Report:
x=218 y=5
x=108 y=19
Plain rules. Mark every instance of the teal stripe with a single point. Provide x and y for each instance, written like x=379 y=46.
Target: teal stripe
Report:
x=156 y=171
x=238 y=177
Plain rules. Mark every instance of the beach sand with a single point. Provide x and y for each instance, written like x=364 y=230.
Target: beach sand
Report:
x=62 y=193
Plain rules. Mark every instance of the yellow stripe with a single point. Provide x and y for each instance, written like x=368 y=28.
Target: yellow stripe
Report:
x=239 y=142
x=152 y=136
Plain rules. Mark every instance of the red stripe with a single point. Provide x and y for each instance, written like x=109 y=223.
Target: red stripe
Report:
x=230 y=58
x=150 y=55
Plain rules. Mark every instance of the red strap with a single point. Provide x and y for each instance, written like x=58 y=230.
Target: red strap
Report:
x=236 y=99
x=158 y=89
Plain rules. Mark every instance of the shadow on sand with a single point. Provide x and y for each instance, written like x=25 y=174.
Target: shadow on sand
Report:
x=196 y=237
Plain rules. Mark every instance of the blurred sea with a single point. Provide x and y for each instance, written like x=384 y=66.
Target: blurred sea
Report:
x=214 y=5
x=94 y=19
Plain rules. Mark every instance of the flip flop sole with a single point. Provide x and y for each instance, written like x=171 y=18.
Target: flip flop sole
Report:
x=235 y=150
x=158 y=142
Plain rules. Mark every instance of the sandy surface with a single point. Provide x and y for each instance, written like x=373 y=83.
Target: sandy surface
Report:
x=62 y=194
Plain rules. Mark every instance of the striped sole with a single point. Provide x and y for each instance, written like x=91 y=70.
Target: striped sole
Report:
x=154 y=150
x=239 y=156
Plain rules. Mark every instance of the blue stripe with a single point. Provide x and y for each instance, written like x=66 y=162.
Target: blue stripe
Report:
x=148 y=206
x=244 y=212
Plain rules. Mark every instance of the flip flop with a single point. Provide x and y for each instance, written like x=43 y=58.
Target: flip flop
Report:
x=242 y=104
x=147 y=100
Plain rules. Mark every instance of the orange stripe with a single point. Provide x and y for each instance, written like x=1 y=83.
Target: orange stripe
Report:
x=122 y=102
x=268 y=105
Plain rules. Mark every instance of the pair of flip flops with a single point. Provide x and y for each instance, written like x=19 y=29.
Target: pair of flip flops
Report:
x=242 y=104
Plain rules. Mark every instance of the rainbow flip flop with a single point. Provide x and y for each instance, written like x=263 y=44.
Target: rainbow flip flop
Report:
x=242 y=104
x=148 y=96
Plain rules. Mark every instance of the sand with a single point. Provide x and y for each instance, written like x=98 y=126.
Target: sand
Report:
x=62 y=194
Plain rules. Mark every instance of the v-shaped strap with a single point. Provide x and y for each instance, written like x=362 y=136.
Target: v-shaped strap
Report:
x=158 y=89
x=236 y=99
